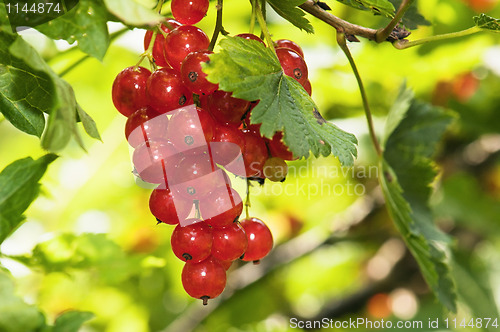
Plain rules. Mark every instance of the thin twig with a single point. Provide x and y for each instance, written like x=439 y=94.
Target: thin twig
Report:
x=218 y=26
x=382 y=34
x=263 y=25
x=402 y=44
x=343 y=45
x=338 y=23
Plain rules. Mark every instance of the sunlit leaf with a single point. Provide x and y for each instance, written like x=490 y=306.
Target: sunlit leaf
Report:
x=406 y=174
x=71 y=321
x=86 y=24
x=252 y=72
x=133 y=13
x=289 y=11
x=378 y=7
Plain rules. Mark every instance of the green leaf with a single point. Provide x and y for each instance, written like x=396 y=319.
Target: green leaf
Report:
x=378 y=7
x=133 y=13
x=289 y=11
x=71 y=321
x=412 y=18
x=406 y=174
x=16 y=315
x=486 y=22
x=473 y=285
x=88 y=123
x=25 y=92
x=86 y=23
x=253 y=72
x=18 y=188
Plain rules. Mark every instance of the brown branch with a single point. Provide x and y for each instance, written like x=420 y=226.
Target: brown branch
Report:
x=342 y=26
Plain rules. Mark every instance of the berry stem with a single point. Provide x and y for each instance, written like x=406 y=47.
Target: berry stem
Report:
x=159 y=6
x=252 y=19
x=341 y=40
x=263 y=26
x=218 y=25
x=197 y=213
x=247 y=200
x=149 y=52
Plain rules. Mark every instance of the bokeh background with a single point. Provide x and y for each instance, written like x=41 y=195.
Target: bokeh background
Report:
x=90 y=243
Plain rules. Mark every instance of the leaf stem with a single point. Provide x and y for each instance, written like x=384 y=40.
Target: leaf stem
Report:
x=247 y=200
x=382 y=34
x=312 y=8
x=403 y=44
x=341 y=40
x=218 y=26
x=263 y=25
x=252 y=18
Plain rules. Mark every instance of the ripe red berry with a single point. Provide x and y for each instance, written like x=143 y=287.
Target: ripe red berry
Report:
x=166 y=92
x=227 y=144
x=221 y=207
x=182 y=41
x=190 y=127
x=193 y=76
x=129 y=90
x=307 y=86
x=193 y=242
x=154 y=161
x=167 y=208
x=293 y=64
x=227 y=109
x=255 y=153
x=260 y=239
x=196 y=176
x=189 y=11
x=145 y=124
x=159 y=44
x=251 y=36
x=278 y=149
x=286 y=43
x=229 y=242
x=205 y=280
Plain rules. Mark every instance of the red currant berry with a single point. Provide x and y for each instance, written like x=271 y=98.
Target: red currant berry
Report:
x=255 y=153
x=293 y=64
x=227 y=109
x=154 y=161
x=275 y=169
x=252 y=127
x=129 y=90
x=307 y=86
x=260 y=239
x=159 y=45
x=144 y=125
x=205 y=280
x=227 y=144
x=193 y=76
x=196 y=176
x=189 y=11
x=250 y=36
x=190 y=127
x=193 y=242
x=182 y=41
x=225 y=264
x=221 y=207
x=166 y=92
x=285 y=43
x=229 y=242
x=169 y=209
x=278 y=149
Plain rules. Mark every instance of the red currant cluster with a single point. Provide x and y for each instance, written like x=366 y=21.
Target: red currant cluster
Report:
x=185 y=132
